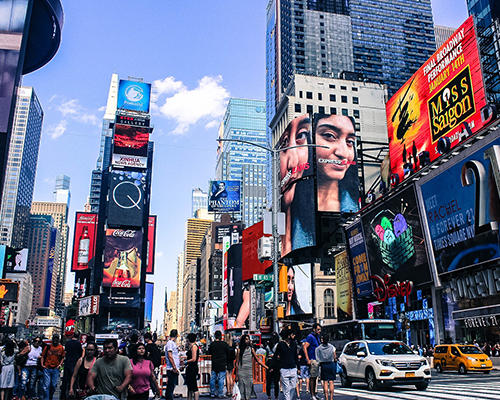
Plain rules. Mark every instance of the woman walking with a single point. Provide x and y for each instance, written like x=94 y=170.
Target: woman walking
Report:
x=142 y=373
x=244 y=375
x=288 y=356
x=7 y=375
x=325 y=355
x=192 y=356
x=82 y=368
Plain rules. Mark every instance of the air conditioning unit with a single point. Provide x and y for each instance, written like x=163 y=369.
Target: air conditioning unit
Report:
x=264 y=248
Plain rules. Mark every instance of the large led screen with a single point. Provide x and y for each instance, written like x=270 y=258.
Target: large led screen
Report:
x=130 y=148
x=298 y=298
x=336 y=163
x=150 y=268
x=83 y=240
x=297 y=191
x=16 y=260
x=134 y=96
x=126 y=199
x=435 y=102
x=148 y=301
x=462 y=208
x=250 y=244
x=224 y=196
x=122 y=258
x=394 y=239
x=359 y=259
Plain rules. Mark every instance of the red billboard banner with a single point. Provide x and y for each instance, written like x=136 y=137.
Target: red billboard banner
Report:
x=150 y=267
x=122 y=258
x=83 y=240
x=130 y=147
x=441 y=102
x=250 y=259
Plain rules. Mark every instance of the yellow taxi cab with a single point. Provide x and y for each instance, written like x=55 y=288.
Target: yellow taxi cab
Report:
x=461 y=358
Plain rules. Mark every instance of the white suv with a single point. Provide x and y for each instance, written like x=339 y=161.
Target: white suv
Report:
x=383 y=362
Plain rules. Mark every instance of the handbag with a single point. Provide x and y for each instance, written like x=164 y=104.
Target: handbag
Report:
x=338 y=368
x=236 y=393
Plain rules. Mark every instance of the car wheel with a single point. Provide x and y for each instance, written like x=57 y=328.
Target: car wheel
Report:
x=371 y=380
x=421 y=386
x=344 y=379
x=439 y=368
x=461 y=369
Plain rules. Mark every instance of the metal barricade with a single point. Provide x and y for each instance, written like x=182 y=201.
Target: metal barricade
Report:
x=259 y=373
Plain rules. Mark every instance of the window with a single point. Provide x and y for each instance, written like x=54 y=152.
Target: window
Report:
x=300 y=93
x=322 y=39
x=321 y=24
x=355 y=100
x=355 y=113
x=345 y=112
x=329 y=304
x=298 y=108
x=309 y=95
x=320 y=96
x=343 y=88
x=322 y=47
x=343 y=99
x=357 y=127
x=333 y=97
x=310 y=109
x=354 y=89
x=333 y=110
x=323 y=55
x=331 y=86
x=321 y=109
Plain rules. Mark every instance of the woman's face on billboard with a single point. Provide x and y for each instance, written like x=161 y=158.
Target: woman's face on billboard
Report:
x=291 y=283
x=337 y=133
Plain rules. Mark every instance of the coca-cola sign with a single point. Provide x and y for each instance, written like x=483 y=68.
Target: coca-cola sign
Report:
x=383 y=289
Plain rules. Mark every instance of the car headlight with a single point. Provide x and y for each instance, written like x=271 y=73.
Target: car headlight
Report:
x=423 y=362
x=471 y=358
x=385 y=363
x=487 y=359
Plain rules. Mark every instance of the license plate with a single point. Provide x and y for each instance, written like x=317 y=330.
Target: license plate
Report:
x=483 y=365
x=410 y=374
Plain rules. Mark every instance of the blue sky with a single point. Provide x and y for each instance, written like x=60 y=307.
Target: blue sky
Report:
x=198 y=53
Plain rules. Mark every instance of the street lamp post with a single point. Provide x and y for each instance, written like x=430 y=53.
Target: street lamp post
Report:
x=274 y=211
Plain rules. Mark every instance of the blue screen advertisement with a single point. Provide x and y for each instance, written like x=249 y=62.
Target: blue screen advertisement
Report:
x=148 y=301
x=134 y=96
x=224 y=196
x=359 y=260
x=462 y=209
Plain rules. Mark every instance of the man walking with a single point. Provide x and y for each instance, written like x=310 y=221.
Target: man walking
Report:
x=219 y=351
x=288 y=356
x=111 y=374
x=52 y=359
x=74 y=351
x=310 y=345
x=173 y=364
x=30 y=370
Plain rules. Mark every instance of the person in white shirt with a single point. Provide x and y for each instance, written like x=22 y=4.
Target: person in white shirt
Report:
x=30 y=371
x=173 y=364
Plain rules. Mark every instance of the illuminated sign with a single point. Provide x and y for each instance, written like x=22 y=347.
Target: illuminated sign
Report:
x=130 y=148
x=359 y=260
x=9 y=291
x=383 y=289
x=83 y=240
x=134 y=96
x=224 y=196
x=150 y=268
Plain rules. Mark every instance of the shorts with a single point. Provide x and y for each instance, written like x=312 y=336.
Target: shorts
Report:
x=313 y=369
x=304 y=372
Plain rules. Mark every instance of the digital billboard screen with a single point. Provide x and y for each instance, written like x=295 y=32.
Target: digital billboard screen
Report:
x=130 y=148
x=150 y=268
x=434 y=103
x=250 y=244
x=126 y=199
x=134 y=96
x=233 y=231
x=224 y=196
x=394 y=239
x=462 y=208
x=359 y=259
x=336 y=163
x=83 y=240
x=299 y=292
x=50 y=266
x=148 y=301
x=344 y=287
x=297 y=186
x=122 y=258
x=16 y=260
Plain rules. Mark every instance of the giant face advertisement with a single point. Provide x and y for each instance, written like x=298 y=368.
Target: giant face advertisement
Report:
x=126 y=199
x=130 y=148
x=224 y=196
x=134 y=96
x=444 y=93
x=122 y=259
x=462 y=208
x=336 y=163
x=395 y=242
x=299 y=292
x=297 y=191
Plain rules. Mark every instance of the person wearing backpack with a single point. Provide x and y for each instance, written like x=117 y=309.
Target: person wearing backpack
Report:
x=52 y=359
x=310 y=345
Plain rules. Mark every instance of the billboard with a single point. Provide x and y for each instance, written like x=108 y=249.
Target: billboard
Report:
x=50 y=266
x=435 y=102
x=344 y=287
x=394 y=240
x=88 y=306
x=150 y=267
x=83 y=240
x=359 y=259
x=297 y=191
x=336 y=166
x=16 y=260
x=130 y=146
x=126 y=199
x=224 y=196
x=236 y=307
x=134 y=96
x=148 y=301
x=250 y=243
x=462 y=208
x=122 y=258
x=3 y=255
x=298 y=297
x=233 y=231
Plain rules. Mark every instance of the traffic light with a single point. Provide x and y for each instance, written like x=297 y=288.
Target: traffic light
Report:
x=283 y=278
x=27 y=324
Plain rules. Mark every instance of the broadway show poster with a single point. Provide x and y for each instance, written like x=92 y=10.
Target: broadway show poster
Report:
x=434 y=103
x=344 y=287
x=150 y=268
x=130 y=147
x=462 y=208
x=122 y=258
x=359 y=260
x=84 y=240
x=224 y=196
x=394 y=239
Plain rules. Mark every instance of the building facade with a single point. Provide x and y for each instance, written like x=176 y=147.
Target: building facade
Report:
x=170 y=320
x=21 y=310
x=21 y=169
x=442 y=34
x=199 y=201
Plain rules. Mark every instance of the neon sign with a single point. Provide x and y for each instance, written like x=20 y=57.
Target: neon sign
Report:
x=383 y=289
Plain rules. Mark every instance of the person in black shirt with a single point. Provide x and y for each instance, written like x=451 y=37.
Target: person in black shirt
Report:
x=288 y=356
x=74 y=351
x=219 y=351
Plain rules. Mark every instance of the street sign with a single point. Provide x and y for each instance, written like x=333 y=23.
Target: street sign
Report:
x=269 y=305
x=263 y=277
x=48 y=322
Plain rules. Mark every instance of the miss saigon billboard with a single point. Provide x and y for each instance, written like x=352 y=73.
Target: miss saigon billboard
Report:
x=436 y=102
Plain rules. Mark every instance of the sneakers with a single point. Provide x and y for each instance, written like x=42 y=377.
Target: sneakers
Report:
x=212 y=396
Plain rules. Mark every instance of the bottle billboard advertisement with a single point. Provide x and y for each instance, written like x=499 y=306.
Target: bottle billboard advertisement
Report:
x=83 y=240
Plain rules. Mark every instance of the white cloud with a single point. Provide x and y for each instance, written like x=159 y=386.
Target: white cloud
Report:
x=72 y=109
x=159 y=254
x=57 y=130
x=205 y=103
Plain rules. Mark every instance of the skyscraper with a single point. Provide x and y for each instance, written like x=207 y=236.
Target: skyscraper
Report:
x=245 y=120
x=442 y=33
x=199 y=201
x=21 y=168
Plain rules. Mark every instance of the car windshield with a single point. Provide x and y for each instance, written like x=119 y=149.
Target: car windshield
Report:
x=469 y=350
x=389 y=348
